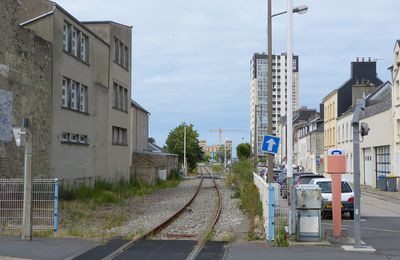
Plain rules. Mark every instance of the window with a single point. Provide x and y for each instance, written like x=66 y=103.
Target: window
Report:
x=126 y=57
x=119 y=136
x=382 y=154
x=75 y=42
x=65 y=136
x=82 y=98
x=82 y=46
x=121 y=53
x=66 y=28
x=74 y=95
x=74 y=89
x=116 y=50
x=120 y=97
x=73 y=138
x=83 y=139
x=65 y=86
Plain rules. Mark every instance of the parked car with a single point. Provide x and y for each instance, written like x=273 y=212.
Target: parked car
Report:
x=298 y=178
x=347 y=196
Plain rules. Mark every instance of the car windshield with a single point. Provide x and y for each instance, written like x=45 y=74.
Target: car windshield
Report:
x=326 y=187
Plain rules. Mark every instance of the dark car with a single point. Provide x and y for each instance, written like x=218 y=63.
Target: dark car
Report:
x=298 y=178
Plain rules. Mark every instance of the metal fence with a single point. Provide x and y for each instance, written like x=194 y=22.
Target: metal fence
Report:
x=281 y=210
x=275 y=207
x=44 y=203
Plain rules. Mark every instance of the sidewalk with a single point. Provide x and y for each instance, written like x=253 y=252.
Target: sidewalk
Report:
x=388 y=194
x=42 y=248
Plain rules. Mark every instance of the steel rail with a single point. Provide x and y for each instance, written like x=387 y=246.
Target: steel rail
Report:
x=203 y=239
x=155 y=230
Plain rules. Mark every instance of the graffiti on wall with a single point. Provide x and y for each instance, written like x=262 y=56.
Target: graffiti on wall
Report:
x=6 y=133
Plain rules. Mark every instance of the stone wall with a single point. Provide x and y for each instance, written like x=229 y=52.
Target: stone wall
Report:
x=145 y=165
x=25 y=71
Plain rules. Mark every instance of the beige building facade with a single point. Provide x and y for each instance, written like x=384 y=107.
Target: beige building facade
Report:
x=330 y=119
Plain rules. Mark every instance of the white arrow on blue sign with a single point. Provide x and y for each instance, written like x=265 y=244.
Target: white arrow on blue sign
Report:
x=270 y=144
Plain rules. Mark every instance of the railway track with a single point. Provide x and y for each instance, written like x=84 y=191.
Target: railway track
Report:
x=201 y=238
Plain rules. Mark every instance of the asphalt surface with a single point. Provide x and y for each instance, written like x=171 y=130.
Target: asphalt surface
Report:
x=43 y=248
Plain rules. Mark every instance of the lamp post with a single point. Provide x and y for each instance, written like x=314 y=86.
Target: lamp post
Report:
x=184 y=149
x=301 y=10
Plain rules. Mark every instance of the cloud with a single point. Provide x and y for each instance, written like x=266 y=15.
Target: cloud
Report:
x=191 y=58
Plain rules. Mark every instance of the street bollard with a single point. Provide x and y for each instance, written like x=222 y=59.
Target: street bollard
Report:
x=336 y=165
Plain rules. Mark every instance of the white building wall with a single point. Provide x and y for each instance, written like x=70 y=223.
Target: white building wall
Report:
x=378 y=136
x=344 y=141
x=396 y=111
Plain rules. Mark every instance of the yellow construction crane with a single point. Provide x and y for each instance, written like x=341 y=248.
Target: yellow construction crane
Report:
x=219 y=130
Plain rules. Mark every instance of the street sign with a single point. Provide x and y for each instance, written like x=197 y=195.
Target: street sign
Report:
x=270 y=144
x=336 y=152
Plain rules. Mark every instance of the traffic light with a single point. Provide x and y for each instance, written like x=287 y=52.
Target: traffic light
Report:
x=364 y=129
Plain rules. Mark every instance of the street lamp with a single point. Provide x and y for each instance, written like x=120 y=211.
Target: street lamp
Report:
x=184 y=148
x=301 y=10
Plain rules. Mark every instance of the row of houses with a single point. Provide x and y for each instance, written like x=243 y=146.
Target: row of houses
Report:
x=317 y=132
x=73 y=80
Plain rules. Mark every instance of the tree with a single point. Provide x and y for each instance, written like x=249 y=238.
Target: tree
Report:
x=243 y=151
x=175 y=142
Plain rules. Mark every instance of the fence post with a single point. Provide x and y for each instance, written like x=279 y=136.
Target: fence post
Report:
x=55 y=205
x=271 y=213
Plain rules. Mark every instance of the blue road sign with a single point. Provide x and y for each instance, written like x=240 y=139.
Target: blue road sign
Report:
x=270 y=144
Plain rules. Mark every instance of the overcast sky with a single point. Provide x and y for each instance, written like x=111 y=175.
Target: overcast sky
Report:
x=191 y=58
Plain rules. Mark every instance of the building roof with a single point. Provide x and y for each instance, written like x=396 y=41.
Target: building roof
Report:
x=136 y=105
x=55 y=5
x=106 y=22
x=381 y=100
x=330 y=94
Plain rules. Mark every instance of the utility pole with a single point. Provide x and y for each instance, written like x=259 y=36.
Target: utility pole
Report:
x=225 y=156
x=184 y=149
x=27 y=210
x=289 y=114
x=255 y=150
x=358 y=112
x=270 y=157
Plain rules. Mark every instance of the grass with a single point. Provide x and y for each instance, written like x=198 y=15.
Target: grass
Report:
x=90 y=211
x=114 y=219
x=104 y=191
x=281 y=239
x=241 y=180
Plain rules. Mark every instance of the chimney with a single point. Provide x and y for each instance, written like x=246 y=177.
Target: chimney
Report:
x=358 y=59
x=362 y=59
x=369 y=59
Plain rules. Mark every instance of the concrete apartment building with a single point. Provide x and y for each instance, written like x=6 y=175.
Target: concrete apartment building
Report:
x=258 y=95
x=89 y=93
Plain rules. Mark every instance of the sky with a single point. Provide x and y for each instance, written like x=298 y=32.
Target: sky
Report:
x=191 y=59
